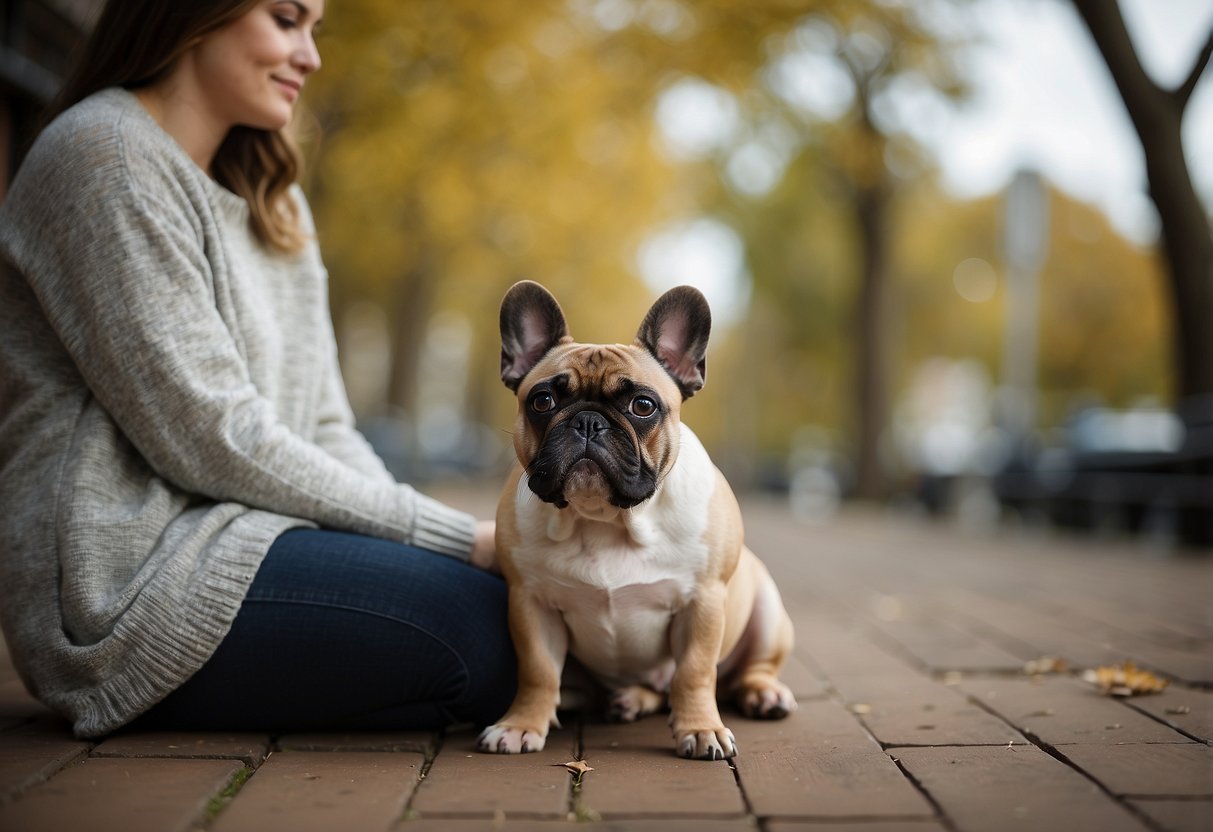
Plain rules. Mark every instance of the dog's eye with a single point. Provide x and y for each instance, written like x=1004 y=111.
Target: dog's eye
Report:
x=643 y=406
x=542 y=402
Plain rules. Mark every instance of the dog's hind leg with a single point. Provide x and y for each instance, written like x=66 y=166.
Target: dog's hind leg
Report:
x=768 y=641
x=631 y=703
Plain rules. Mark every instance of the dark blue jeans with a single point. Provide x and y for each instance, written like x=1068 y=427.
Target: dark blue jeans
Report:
x=344 y=632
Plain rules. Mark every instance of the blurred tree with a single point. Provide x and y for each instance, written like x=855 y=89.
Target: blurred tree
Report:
x=1157 y=114
x=468 y=145
x=879 y=54
x=888 y=64
x=801 y=253
x=877 y=51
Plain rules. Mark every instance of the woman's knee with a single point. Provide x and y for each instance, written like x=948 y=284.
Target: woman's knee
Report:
x=486 y=650
x=449 y=608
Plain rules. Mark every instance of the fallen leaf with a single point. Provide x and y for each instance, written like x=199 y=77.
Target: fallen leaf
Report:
x=578 y=767
x=1125 y=680
x=860 y=709
x=1045 y=664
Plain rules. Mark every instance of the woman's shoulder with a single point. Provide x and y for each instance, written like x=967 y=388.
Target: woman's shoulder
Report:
x=103 y=144
x=98 y=161
x=106 y=124
x=101 y=110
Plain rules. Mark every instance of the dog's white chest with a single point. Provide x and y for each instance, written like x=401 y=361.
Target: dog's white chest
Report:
x=617 y=603
x=622 y=634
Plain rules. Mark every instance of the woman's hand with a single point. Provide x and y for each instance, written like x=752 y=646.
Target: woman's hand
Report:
x=484 y=547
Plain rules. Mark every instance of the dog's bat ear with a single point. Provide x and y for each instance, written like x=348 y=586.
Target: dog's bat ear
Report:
x=676 y=332
x=531 y=324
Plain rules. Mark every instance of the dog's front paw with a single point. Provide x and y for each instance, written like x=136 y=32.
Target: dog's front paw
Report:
x=712 y=744
x=768 y=699
x=508 y=739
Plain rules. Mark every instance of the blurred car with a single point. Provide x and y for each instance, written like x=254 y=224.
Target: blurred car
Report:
x=1143 y=470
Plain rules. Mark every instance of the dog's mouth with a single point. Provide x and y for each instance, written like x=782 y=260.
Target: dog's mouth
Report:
x=606 y=468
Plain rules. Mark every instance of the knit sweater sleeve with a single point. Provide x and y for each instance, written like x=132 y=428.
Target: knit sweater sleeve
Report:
x=121 y=268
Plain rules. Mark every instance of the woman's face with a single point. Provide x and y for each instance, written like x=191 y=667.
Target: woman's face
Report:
x=253 y=69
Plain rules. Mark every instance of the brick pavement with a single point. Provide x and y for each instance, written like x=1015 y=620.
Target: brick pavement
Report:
x=916 y=714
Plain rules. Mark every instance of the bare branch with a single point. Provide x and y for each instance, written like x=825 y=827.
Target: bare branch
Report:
x=1111 y=36
x=1184 y=91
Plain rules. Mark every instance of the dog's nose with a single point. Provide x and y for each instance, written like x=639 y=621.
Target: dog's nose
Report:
x=587 y=424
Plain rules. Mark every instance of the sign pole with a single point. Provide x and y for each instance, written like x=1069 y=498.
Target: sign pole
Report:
x=1025 y=244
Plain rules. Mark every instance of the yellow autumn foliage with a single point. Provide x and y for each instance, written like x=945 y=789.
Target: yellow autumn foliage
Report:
x=464 y=145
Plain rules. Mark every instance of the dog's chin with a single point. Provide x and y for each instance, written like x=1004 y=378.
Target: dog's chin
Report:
x=588 y=493
x=586 y=482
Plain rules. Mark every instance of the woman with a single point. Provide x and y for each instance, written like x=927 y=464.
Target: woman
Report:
x=194 y=532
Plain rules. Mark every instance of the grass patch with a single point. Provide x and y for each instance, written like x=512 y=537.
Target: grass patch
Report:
x=219 y=802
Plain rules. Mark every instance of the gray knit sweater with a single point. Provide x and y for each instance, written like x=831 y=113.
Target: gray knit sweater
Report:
x=169 y=404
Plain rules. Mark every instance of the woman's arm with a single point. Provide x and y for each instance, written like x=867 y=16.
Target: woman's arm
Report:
x=121 y=274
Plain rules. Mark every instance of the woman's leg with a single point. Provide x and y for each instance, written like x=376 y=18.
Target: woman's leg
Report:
x=345 y=632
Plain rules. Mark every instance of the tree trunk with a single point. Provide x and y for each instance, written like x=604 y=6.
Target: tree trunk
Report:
x=871 y=190
x=1187 y=240
x=411 y=314
x=871 y=376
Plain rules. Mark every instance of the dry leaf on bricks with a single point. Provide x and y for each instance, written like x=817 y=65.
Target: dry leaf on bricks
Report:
x=1124 y=680
x=577 y=768
x=1045 y=664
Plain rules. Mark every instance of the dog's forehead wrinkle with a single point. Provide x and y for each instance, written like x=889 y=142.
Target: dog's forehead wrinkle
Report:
x=603 y=370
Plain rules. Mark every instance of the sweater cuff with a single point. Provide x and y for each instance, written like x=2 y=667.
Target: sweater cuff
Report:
x=442 y=529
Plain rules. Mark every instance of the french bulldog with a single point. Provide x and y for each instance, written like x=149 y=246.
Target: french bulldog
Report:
x=620 y=541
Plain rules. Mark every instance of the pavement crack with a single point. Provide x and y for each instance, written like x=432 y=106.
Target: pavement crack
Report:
x=940 y=815
x=431 y=755
x=1164 y=721
x=217 y=804
x=577 y=809
x=1052 y=751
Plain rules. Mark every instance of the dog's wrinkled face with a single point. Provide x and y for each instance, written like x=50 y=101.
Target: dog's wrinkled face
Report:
x=598 y=423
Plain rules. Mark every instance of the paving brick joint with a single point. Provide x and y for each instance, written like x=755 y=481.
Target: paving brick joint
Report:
x=917 y=712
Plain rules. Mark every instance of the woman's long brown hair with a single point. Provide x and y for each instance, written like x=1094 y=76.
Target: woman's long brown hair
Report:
x=138 y=42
